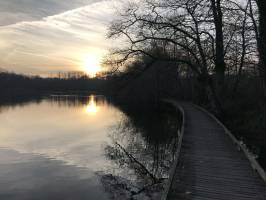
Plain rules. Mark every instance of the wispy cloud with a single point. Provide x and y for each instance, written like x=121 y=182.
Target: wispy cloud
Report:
x=14 y=11
x=44 y=42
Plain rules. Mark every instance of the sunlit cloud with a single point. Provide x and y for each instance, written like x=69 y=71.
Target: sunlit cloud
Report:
x=58 y=42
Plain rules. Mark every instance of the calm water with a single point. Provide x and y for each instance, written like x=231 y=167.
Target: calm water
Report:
x=70 y=147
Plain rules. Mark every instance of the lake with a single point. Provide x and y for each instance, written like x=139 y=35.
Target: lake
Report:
x=73 y=147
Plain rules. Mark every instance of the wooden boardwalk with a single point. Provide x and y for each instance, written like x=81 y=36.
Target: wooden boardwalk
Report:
x=210 y=166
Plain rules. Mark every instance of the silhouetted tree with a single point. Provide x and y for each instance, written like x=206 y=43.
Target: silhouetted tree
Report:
x=262 y=41
x=198 y=34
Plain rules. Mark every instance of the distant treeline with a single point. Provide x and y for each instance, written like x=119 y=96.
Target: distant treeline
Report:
x=17 y=85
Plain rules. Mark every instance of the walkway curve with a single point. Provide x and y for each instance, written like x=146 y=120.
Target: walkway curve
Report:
x=211 y=164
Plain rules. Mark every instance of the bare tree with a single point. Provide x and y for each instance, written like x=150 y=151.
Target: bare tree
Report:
x=220 y=65
x=262 y=41
x=208 y=36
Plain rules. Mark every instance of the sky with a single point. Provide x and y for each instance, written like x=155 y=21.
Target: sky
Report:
x=40 y=37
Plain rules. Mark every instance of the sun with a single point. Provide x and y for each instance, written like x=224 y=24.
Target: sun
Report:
x=91 y=65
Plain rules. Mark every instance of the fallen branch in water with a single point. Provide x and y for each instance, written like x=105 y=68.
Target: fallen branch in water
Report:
x=133 y=159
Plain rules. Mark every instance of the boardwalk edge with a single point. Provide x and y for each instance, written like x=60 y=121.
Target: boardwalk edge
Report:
x=179 y=108
x=254 y=163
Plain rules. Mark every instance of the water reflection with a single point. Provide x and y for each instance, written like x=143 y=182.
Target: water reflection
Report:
x=144 y=146
x=59 y=128
x=53 y=149
x=25 y=176
x=91 y=107
x=79 y=147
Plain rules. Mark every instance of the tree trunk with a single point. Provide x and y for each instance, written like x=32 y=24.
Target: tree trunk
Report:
x=262 y=42
x=219 y=40
x=208 y=95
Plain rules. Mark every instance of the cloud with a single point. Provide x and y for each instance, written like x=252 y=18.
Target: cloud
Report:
x=57 y=42
x=14 y=11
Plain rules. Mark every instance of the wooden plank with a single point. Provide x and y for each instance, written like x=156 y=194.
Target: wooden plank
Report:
x=210 y=164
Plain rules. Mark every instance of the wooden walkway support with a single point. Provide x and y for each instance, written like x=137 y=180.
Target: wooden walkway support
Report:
x=212 y=164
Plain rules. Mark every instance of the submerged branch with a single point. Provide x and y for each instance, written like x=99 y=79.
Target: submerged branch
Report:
x=133 y=159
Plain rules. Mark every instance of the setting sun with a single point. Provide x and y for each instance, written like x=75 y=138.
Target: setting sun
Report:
x=91 y=65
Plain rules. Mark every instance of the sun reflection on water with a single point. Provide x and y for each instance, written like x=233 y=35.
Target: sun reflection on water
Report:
x=91 y=108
